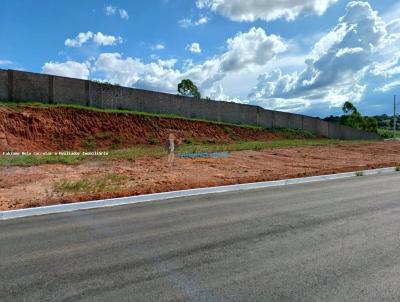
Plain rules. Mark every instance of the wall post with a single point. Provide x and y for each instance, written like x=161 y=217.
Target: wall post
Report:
x=87 y=92
x=10 y=84
x=51 y=89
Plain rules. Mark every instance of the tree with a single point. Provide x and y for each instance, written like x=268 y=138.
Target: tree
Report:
x=371 y=124
x=188 y=88
x=354 y=119
x=348 y=107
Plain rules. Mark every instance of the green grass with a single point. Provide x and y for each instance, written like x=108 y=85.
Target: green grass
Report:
x=32 y=160
x=359 y=173
x=293 y=133
x=105 y=183
x=387 y=133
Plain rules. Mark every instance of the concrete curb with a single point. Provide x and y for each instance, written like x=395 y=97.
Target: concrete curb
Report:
x=5 y=215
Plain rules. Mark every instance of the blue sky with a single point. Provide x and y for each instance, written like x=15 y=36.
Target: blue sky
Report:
x=304 y=56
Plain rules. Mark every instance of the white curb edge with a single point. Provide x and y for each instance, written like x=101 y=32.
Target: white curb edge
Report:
x=5 y=215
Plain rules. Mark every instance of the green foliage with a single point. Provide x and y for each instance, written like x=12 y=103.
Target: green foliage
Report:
x=189 y=141
x=105 y=183
x=354 y=119
x=34 y=160
x=117 y=142
x=348 y=108
x=231 y=132
x=293 y=133
x=152 y=140
x=188 y=88
x=89 y=143
x=370 y=124
x=359 y=173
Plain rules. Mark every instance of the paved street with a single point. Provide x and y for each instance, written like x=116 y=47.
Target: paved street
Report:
x=328 y=241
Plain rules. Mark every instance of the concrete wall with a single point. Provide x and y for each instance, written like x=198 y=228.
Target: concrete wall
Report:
x=3 y=84
x=70 y=91
x=29 y=86
x=26 y=86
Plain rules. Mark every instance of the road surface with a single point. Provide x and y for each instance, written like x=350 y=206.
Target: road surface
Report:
x=328 y=241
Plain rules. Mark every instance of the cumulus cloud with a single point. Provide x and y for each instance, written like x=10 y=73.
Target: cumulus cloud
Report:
x=217 y=93
x=133 y=72
x=101 y=39
x=188 y=22
x=70 y=69
x=194 y=47
x=244 y=51
x=5 y=62
x=98 y=38
x=79 y=40
x=123 y=14
x=159 y=46
x=251 y=10
x=335 y=68
x=113 y=10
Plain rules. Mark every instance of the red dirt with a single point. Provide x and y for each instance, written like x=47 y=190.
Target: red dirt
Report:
x=34 y=186
x=29 y=129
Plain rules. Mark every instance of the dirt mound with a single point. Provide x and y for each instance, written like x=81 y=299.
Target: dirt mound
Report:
x=30 y=128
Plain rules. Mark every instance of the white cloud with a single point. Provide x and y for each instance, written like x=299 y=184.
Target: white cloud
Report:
x=133 y=72
x=251 y=10
x=388 y=68
x=188 y=22
x=123 y=14
x=388 y=87
x=194 y=47
x=5 y=62
x=99 y=39
x=159 y=46
x=79 y=40
x=68 y=69
x=336 y=67
x=244 y=51
x=110 y=10
x=113 y=10
x=217 y=93
x=167 y=63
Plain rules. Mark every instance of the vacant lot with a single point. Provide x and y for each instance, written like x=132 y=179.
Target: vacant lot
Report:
x=28 y=186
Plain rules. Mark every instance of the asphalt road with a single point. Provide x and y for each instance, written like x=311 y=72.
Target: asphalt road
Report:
x=328 y=241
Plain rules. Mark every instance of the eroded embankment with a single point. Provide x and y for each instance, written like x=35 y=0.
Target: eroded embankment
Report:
x=29 y=128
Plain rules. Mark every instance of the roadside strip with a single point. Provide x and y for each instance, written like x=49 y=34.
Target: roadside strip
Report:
x=5 y=215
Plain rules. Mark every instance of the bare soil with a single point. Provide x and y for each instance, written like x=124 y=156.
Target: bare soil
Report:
x=22 y=187
x=30 y=129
